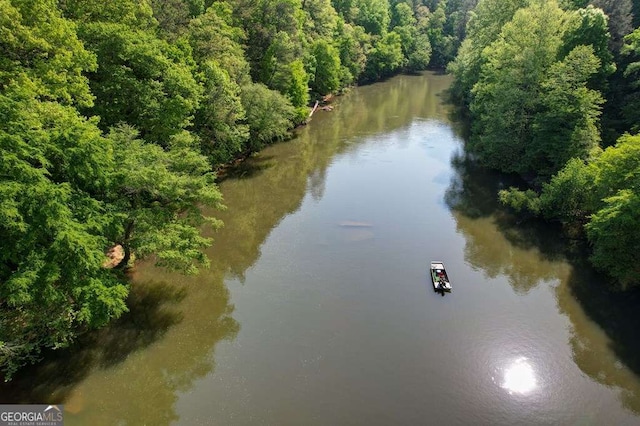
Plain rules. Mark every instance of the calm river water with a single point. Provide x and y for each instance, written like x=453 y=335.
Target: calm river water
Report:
x=318 y=308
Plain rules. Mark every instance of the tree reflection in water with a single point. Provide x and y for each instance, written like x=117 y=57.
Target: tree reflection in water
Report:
x=604 y=338
x=527 y=253
x=604 y=321
x=118 y=350
x=133 y=371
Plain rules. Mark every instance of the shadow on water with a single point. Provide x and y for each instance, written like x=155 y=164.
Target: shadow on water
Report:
x=146 y=358
x=473 y=189
x=168 y=338
x=492 y=232
x=605 y=321
x=247 y=169
x=601 y=353
x=150 y=316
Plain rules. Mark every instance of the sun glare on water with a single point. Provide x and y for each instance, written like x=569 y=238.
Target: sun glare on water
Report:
x=519 y=377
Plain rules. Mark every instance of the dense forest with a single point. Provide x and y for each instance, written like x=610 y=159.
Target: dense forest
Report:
x=552 y=90
x=114 y=117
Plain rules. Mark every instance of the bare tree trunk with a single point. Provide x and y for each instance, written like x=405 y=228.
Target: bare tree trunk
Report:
x=126 y=244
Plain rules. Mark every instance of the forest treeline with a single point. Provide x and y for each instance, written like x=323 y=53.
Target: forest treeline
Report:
x=114 y=115
x=552 y=90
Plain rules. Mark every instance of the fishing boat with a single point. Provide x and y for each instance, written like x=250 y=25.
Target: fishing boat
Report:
x=439 y=276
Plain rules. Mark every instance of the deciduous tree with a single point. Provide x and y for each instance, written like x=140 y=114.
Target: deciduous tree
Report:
x=142 y=80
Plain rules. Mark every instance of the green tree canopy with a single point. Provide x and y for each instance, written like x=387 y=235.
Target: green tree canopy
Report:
x=274 y=34
x=483 y=28
x=565 y=127
x=373 y=15
x=269 y=114
x=327 y=72
x=41 y=49
x=353 y=44
x=385 y=57
x=616 y=242
x=55 y=168
x=414 y=37
x=156 y=196
x=322 y=19
x=173 y=16
x=141 y=80
x=132 y=13
x=532 y=113
x=506 y=97
x=220 y=118
x=213 y=37
x=589 y=27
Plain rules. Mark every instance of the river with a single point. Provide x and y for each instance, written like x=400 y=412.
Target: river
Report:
x=318 y=308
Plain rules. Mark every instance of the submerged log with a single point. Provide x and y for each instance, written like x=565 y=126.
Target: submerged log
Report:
x=354 y=224
x=315 y=107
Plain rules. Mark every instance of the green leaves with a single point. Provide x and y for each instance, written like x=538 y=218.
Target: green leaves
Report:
x=220 y=117
x=533 y=112
x=54 y=165
x=39 y=48
x=528 y=70
x=602 y=194
x=566 y=125
x=484 y=28
x=327 y=75
x=613 y=231
x=385 y=58
x=269 y=114
x=142 y=81
x=156 y=199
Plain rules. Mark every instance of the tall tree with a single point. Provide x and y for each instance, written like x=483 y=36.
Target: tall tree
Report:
x=353 y=44
x=68 y=193
x=269 y=114
x=385 y=58
x=327 y=69
x=42 y=49
x=155 y=199
x=620 y=19
x=322 y=19
x=507 y=98
x=414 y=37
x=603 y=195
x=54 y=166
x=613 y=233
x=566 y=126
x=142 y=81
x=631 y=108
x=483 y=28
x=373 y=15
x=220 y=119
x=442 y=44
x=213 y=36
x=274 y=34
x=589 y=27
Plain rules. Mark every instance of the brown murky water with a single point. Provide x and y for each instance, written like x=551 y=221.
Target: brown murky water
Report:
x=318 y=309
